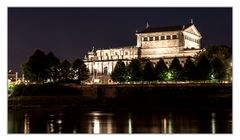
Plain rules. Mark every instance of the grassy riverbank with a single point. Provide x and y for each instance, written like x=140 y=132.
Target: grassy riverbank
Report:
x=138 y=96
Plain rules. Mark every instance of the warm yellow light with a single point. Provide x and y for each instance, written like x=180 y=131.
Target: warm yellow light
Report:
x=96 y=125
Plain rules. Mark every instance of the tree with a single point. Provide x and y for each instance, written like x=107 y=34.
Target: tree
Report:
x=203 y=68
x=80 y=70
x=52 y=67
x=35 y=69
x=218 y=71
x=176 y=69
x=224 y=53
x=119 y=72
x=149 y=72
x=160 y=69
x=66 y=72
x=134 y=70
x=189 y=69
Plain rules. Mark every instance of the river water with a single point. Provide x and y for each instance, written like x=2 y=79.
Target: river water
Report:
x=77 y=121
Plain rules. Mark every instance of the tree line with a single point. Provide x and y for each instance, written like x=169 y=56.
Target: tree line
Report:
x=213 y=64
x=41 y=68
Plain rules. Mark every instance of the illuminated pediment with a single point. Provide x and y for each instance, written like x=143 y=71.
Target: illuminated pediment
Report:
x=192 y=30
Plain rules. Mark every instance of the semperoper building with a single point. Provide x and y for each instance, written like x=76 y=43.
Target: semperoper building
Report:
x=153 y=43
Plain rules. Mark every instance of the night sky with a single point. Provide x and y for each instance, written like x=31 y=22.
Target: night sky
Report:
x=71 y=32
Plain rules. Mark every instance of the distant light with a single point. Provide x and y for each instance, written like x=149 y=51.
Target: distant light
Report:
x=169 y=75
x=59 y=121
x=95 y=113
x=212 y=76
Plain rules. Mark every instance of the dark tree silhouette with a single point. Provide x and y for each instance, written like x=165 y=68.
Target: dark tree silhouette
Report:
x=176 y=69
x=52 y=67
x=160 y=69
x=81 y=72
x=218 y=69
x=119 y=72
x=189 y=69
x=224 y=53
x=35 y=69
x=149 y=72
x=203 y=68
x=66 y=72
x=134 y=70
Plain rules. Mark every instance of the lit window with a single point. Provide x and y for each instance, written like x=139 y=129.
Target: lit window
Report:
x=168 y=37
x=174 y=37
x=151 y=38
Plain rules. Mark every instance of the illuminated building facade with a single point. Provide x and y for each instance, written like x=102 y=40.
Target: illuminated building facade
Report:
x=153 y=43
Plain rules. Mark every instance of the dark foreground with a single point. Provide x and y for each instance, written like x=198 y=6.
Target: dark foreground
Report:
x=124 y=97
x=165 y=108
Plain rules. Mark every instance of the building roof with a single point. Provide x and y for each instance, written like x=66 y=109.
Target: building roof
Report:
x=120 y=47
x=165 y=28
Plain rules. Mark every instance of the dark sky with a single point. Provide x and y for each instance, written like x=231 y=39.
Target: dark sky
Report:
x=70 y=32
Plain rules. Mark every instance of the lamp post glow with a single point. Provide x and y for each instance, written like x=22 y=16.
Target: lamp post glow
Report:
x=169 y=76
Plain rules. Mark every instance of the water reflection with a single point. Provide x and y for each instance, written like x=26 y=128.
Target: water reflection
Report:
x=124 y=122
x=109 y=125
x=50 y=124
x=167 y=125
x=100 y=123
x=26 y=124
x=96 y=125
x=170 y=126
x=75 y=130
x=129 y=124
x=54 y=123
x=59 y=122
x=213 y=124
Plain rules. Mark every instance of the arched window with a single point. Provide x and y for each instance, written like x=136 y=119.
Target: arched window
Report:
x=105 y=70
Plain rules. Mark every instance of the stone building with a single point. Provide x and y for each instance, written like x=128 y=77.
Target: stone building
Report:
x=153 y=43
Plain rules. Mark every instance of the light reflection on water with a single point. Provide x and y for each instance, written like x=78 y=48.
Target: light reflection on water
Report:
x=129 y=124
x=26 y=124
x=122 y=122
x=96 y=126
x=213 y=123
